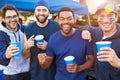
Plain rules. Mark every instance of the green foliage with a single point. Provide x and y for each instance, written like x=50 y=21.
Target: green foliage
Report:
x=27 y=14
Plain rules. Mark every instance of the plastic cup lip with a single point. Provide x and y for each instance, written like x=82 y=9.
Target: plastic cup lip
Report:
x=69 y=58
x=103 y=42
x=39 y=37
x=14 y=42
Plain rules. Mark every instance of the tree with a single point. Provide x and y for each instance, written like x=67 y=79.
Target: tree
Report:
x=26 y=14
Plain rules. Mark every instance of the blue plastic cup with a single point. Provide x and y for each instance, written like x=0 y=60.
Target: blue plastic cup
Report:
x=69 y=60
x=19 y=53
x=39 y=39
x=102 y=44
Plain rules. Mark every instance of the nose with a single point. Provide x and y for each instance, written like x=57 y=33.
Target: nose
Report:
x=65 y=21
x=12 y=19
x=105 y=19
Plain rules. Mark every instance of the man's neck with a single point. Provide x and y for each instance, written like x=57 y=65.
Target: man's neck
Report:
x=70 y=34
x=42 y=24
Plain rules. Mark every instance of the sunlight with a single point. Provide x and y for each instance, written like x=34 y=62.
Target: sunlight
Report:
x=98 y=2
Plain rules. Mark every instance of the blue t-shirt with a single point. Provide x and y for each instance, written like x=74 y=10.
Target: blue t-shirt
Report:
x=61 y=46
x=37 y=72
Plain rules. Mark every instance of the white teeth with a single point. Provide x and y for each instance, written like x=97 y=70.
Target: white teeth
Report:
x=65 y=25
x=105 y=25
x=41 y=17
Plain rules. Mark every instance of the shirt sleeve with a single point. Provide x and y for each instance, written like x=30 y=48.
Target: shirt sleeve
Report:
x=49 y=50
x=89 y=48
x=3 y=46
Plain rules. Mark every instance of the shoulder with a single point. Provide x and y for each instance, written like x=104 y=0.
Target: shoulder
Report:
x=55 y=35
x=92 y=29
x=53 y=22
x=53 y=25
x=4 y=36
x=54 y=38
x=22 y=27
x=118 y=25
x=2 y=33
x=30 y=27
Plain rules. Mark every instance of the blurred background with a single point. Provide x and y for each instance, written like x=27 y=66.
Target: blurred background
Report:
x=84 y=10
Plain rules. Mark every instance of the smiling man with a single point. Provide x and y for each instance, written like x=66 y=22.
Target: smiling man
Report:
x=68 y=42
x=11 y=31
x=43 y=26
x=108 y=30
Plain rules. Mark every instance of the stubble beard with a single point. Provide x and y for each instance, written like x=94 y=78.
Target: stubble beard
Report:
x=42 y=21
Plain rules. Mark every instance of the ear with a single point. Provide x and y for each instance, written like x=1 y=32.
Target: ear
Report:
x=3 y=20
x=48 y=12
x=116 y=19
x=75 y=17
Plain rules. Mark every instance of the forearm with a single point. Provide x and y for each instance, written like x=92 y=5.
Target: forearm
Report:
x=26 y=53
x=45 y=65
x=84 y=28
x=87 y=65
x=3 y=60
x=27 y=46
x=118 y=65
x=45 y=62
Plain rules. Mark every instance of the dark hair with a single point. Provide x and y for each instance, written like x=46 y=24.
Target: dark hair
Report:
x=8 y=7
x=65 y=9
x=20 y=20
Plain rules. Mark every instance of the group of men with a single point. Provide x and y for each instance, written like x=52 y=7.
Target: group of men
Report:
x=46 y=61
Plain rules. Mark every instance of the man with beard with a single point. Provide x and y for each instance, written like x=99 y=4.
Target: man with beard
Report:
x=14 y=68
x=108 y=30
x=68 y=42
x=43 y=26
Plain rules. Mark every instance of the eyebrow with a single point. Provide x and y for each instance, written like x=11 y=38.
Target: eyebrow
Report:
x=67 y=17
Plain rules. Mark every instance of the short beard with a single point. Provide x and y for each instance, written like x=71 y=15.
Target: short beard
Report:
x=43 y=20
x=68 y=31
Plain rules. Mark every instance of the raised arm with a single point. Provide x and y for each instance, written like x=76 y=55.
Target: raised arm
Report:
x=27 y=45
x=86 y=33
x=45 y=61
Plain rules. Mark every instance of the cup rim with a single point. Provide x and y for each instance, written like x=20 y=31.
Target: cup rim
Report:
x=68 y=58
x=38 y=37
x=14 y=42
x=103 y=42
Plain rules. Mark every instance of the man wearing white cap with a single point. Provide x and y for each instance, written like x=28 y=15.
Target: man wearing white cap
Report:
x=108 y=30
